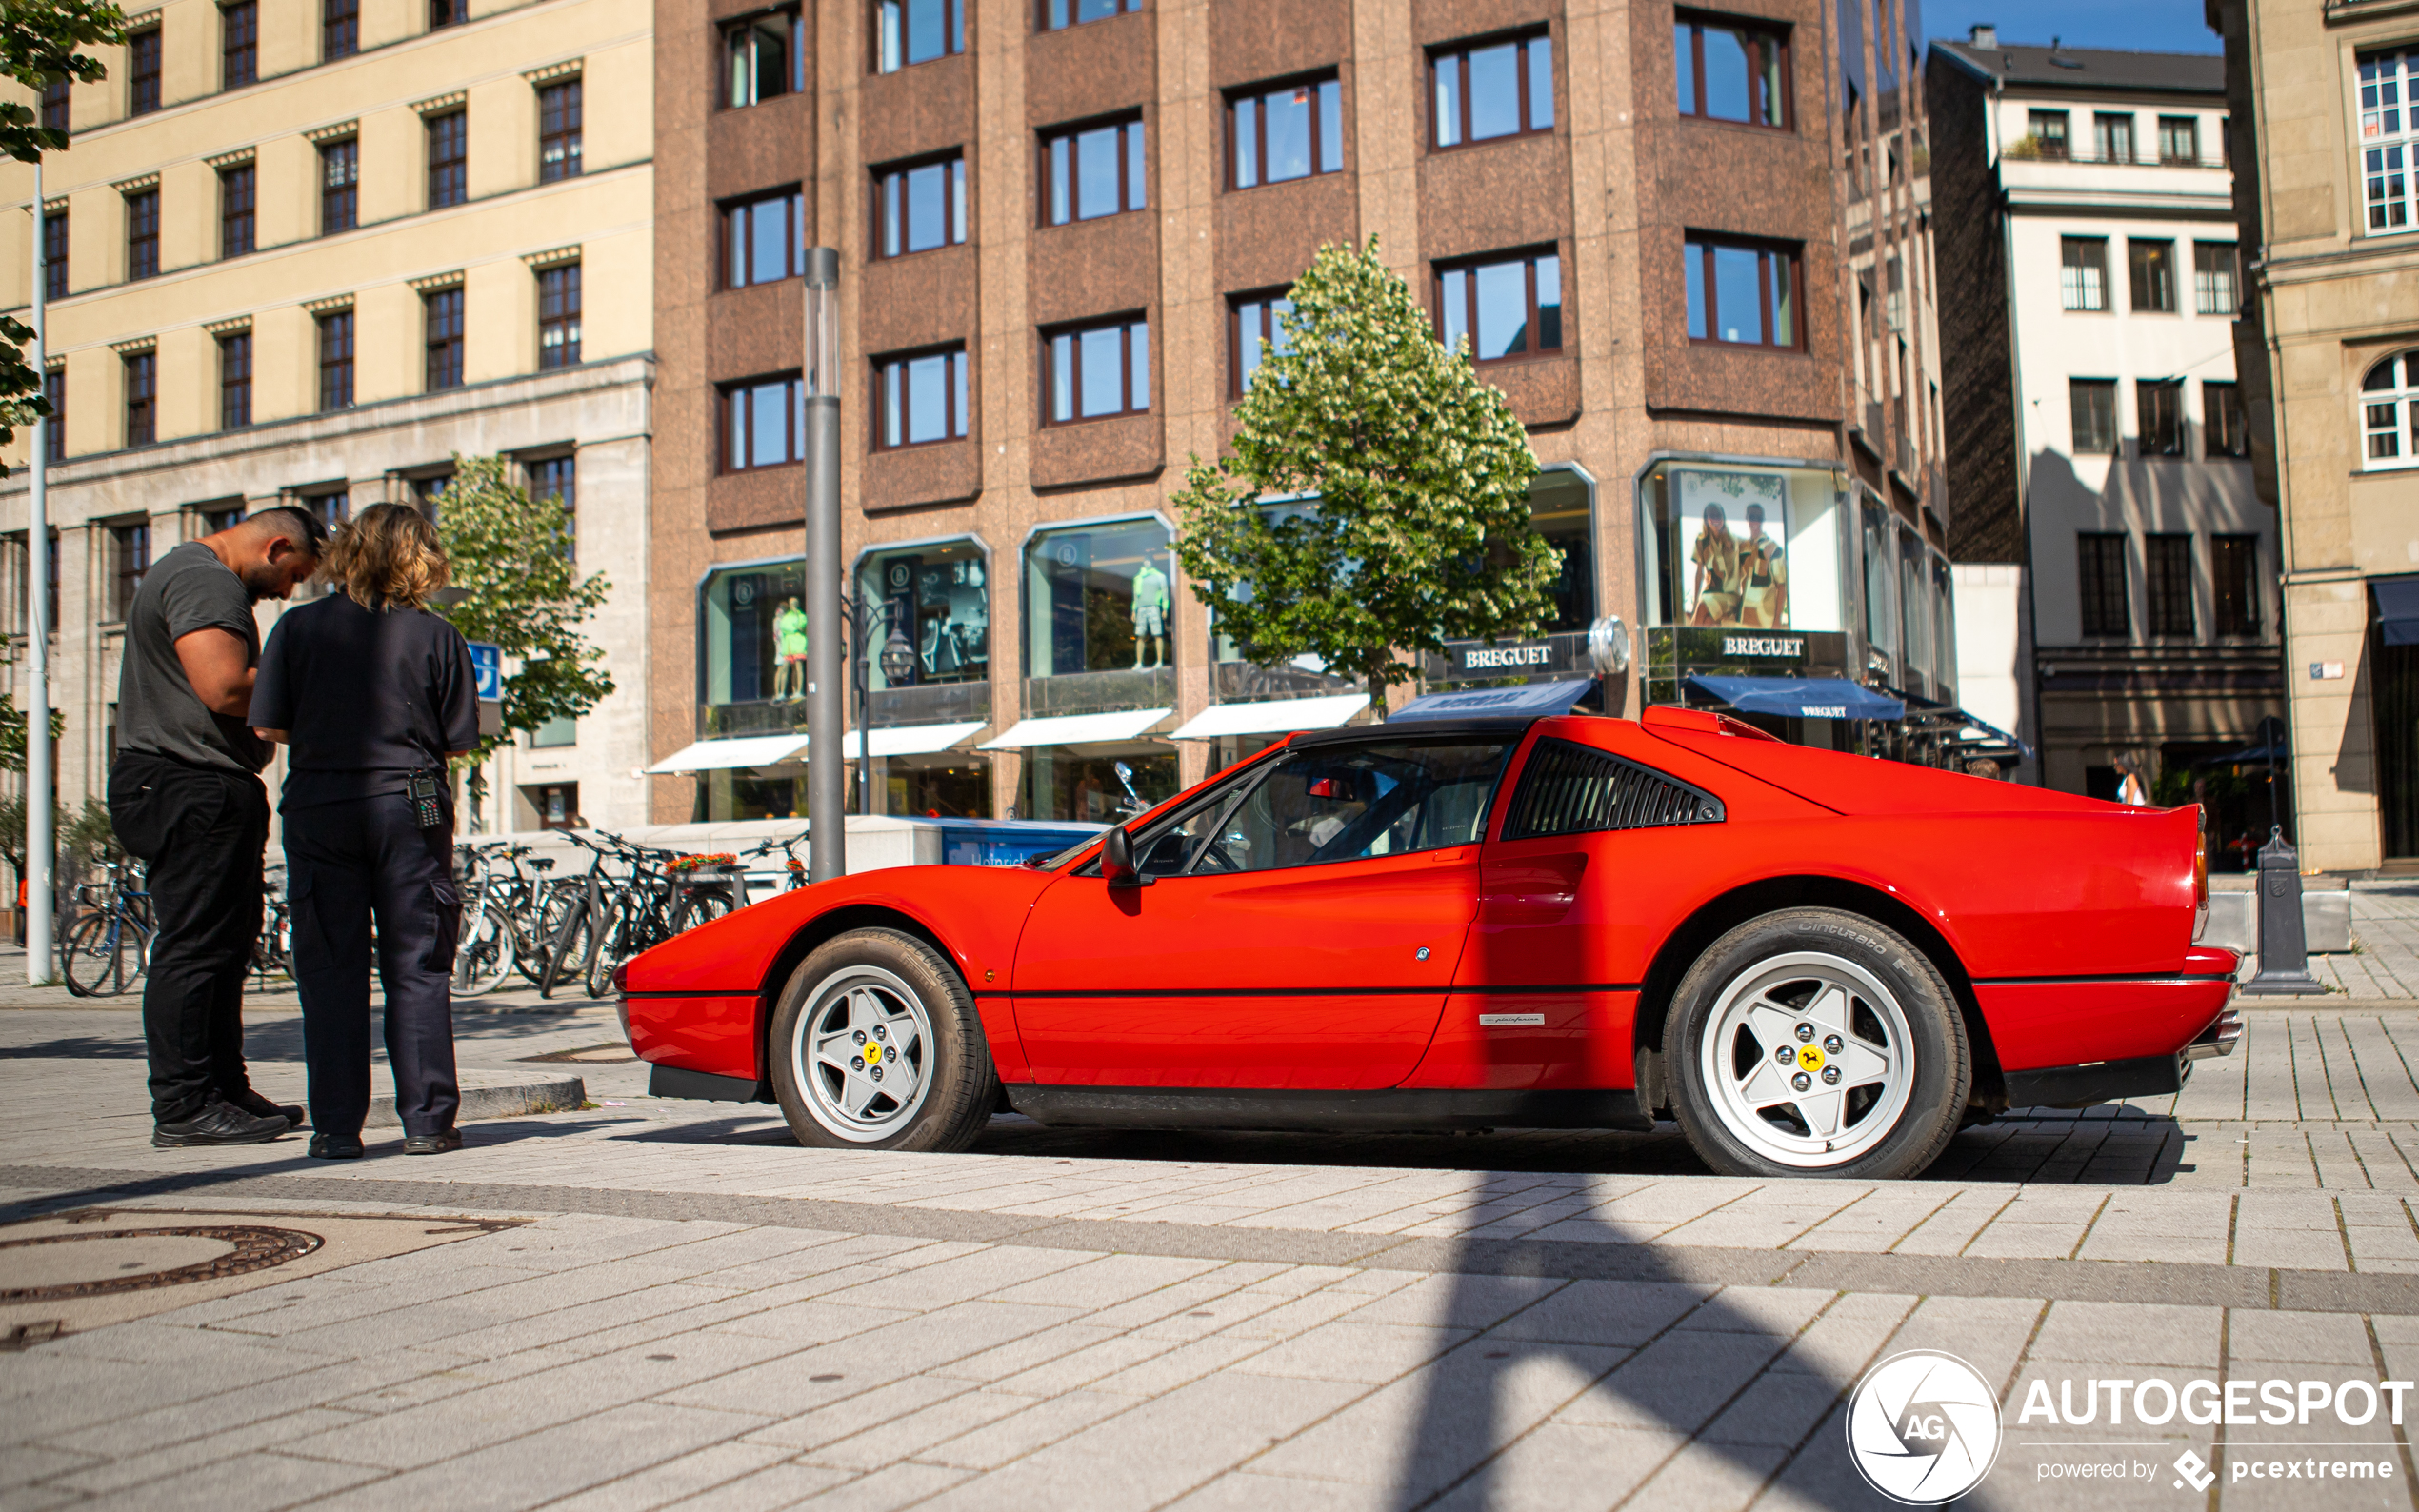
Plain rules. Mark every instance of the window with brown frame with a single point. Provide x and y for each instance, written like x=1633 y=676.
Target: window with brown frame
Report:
x=764 y=58
x=2158 y=417
x=339 y=28
x=339 y=186
x=1289 y=131
x=1092 y=372
x=449 y=138
x=239 y=44
x=335 y=360
x=2100 y=568
x=2151 y=265
x=2234 y=575
x=920 y=397
x=1743 y=293
x=2091 y=406
x=141 y=398
x=54 y=254
x=238 y=197
x=2225 y=430
x=54 y=425
x=764 y=424
x=764 y=239
x=143 y=234
x=1057 y=15
x=143 y=71
x=54 y=103
x=1096 y=169
x=440 y=324
x=558 y=316
x=129 y=558
x=1492 y=89
x=1256 y=327
x=444 y=13
x=1730 y=70
x=919 y=206
x=909 y=32
x=558 y=132
x=2166 y=564
x=234 y=380
x=1507 y=306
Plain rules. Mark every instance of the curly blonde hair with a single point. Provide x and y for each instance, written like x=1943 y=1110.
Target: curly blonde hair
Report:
x=386 y=557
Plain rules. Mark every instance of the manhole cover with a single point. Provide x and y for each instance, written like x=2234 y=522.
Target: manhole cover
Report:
x=54 y=1267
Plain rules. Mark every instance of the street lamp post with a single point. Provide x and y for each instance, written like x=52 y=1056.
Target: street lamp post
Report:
x=40 y=853
x=827 y=768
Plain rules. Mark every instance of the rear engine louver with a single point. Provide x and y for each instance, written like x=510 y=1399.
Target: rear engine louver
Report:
x=1572 y=790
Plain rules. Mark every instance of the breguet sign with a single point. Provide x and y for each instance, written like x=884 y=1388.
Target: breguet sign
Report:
x=1527 y=656
x=1792 y=647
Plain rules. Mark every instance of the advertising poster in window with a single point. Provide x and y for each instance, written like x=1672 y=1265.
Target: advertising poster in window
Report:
x=1737 y=565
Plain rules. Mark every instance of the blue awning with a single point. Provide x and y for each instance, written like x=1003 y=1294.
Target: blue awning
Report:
x=2397 y=609
x=1800 y=696
x=1530 y=700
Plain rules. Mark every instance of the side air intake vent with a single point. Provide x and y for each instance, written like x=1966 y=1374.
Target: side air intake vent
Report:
x=1572 y=790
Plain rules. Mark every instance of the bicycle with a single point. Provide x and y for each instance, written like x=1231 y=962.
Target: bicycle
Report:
x=499 y=922
x=273 y=947
x=662 y=899
x=104 y=951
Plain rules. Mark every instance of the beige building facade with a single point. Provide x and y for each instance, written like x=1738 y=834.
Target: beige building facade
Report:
x=2326 y=193
x=307 y=251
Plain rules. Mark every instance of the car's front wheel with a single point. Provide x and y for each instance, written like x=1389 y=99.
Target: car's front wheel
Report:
x=1814 y=1041
x=877 y=1045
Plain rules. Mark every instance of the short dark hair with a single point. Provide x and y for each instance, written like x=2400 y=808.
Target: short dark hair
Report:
x=301 y=522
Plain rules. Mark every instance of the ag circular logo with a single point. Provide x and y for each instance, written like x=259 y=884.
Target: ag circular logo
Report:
x=1922 y=1427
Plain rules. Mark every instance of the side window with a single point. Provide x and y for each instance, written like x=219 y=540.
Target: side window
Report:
x=1569 y=789
x=1326 y=805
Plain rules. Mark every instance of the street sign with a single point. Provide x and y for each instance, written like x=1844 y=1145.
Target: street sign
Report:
x=488 y=661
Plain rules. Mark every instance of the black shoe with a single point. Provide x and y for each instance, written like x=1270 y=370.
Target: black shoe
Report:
x=436 y=1144
x=259 y=1106
x=335 y=1146
x=218 y=1123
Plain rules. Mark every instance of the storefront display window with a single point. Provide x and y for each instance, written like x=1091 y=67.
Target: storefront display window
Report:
x=752 y=647
x=1944 y=610
x=1881 y=599
x=1099 y=598
x=955 y=786
x=938 y=598
x=1914 y=588
x=1561 y=510
x=1062 y=785
x=1737 y=546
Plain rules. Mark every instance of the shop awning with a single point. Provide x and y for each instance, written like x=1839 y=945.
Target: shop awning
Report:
x=2397 y=609
x=716 y=755
x=1980 y=734
x=1076 y=729
x=1801 y=697
x=910 y=740
x=1272 y=716
x=1532 y=700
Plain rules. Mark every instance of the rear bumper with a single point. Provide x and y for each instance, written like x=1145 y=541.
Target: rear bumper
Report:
x=2045 y=1023
x=2112 y=1081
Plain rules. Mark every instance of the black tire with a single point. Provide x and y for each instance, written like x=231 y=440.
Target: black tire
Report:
x=96 y=965
x=955 y=1082
x=1901 y=1008
x=566 y=953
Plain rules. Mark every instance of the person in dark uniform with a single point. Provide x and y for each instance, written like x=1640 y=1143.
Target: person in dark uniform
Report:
x=371 y=693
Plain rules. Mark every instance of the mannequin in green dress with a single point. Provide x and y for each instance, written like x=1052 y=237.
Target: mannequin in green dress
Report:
x=790 y=652
x=1151 y=608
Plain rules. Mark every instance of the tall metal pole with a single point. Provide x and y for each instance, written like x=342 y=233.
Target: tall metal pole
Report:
x=39 y=957
x=827 y=675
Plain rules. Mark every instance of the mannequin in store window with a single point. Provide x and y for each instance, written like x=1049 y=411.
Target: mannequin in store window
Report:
x=1151 y=608
x=790 y=650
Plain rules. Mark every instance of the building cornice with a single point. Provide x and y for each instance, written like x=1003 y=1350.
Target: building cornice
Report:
x=554 y=72
x=331 y=304
x=442 y=103
x=135 y=345
x=235 y=159
x=2344 y=12
x=436 y=281
x=228 y=328
x=321 y=135
x=553 y=258
x=137 y=185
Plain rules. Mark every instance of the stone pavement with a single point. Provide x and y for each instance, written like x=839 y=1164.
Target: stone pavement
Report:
x=648 y=1303
x=2384 y=960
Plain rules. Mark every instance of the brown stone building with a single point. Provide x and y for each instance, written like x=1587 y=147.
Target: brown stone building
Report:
x=1689 y=246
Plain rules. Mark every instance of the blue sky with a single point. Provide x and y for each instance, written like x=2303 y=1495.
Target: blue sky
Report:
x=2146 y=25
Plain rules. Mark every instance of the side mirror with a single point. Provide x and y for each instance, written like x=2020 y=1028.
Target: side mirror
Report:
x=1117 y=866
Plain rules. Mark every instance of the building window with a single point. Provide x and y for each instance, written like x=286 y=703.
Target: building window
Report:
x=2224 y=430
x=339 y=186
x=2112 y=137
x=443 y=13
x=1098 y=371
x=2151 y=265
x=141 y=398
x=332 y=507
x=558 y=316
x=2179 y=139
x=441 y=318
x=55 y=96
x=143 y=234
x=764 y=424
x=2083 y=273
x=236 y=380
x=428 y=493
x=921 y=398
x=2390 y=412
x=1090 y=591
x=920 y=207
x=2213 y=278
x=557 y=478
x=1502 y=89
x=1289 y=132
x=764 y=58
x=54 y=425
x=934 y=597
x=2100 y=584
x=1057 y=15
x=2167 y=562
x=1511 y=308
x=2234 y=574
x=2093 y=403
x=1255 y=326
x=1741 y=294
x=1094 y=171
x=222 y=517
x=765 y=239
x=1728 y=71
x=448 y=159
x=909 y=32
x=2048 y=131
x=335 y=360
x=129 y=558
x=238 y=194
x=339 y=28
x=554 y=733
x=54 y=254
x=2158 y=417
x=2389 y=137
x=239 y=44
x=558 y=132
x=143 y=71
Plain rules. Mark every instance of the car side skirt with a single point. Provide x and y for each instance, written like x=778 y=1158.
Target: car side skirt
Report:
x=670 y=1080
x=1394 y=1108
x=2096 y=1081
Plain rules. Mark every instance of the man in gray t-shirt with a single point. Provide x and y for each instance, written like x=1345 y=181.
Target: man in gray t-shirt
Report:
x=185 y=797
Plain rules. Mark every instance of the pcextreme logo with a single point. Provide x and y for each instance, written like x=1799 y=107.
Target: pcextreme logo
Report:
x=1922 y=1427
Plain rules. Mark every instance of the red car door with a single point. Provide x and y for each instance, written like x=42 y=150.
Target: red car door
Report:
x=1300 y=932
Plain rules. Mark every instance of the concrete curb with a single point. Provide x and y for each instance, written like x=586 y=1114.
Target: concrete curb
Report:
x=496 y=1094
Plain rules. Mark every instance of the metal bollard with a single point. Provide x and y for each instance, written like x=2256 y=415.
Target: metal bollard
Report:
x=2284 y=957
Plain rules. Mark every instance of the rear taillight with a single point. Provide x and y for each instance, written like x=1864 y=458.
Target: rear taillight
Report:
x=2201 y=870
x=621 y=977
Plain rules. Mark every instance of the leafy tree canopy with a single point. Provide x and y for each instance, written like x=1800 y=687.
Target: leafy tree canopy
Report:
x=518 y=588
x=1420 y=529
x=12 y=733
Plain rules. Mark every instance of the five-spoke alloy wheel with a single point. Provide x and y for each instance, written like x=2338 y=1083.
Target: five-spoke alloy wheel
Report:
x=877 y=1045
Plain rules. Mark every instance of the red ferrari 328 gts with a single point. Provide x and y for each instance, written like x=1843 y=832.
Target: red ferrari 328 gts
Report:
x=1817 y=964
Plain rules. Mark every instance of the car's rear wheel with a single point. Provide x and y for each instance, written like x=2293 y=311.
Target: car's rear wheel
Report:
x=1814 y=1041
x=877 y=1045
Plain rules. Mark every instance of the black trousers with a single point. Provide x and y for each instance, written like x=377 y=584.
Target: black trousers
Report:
x=200 y=830
x=346 y=864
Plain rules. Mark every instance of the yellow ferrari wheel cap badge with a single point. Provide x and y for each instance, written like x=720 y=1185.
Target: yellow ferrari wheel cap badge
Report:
x=1809 y=1057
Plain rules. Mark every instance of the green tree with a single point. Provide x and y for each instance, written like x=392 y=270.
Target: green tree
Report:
x=1420 y=531
x=12 y=733
x=516 y=587
x=39 y=42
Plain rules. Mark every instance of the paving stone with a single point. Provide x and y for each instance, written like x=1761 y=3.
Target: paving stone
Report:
x=1679 y=1382
x=1369 y=1353
x=1615 y=1313
x=673 y=1481
x=2131 y=1333
x=1025 y=1426
x=2296 y=1337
